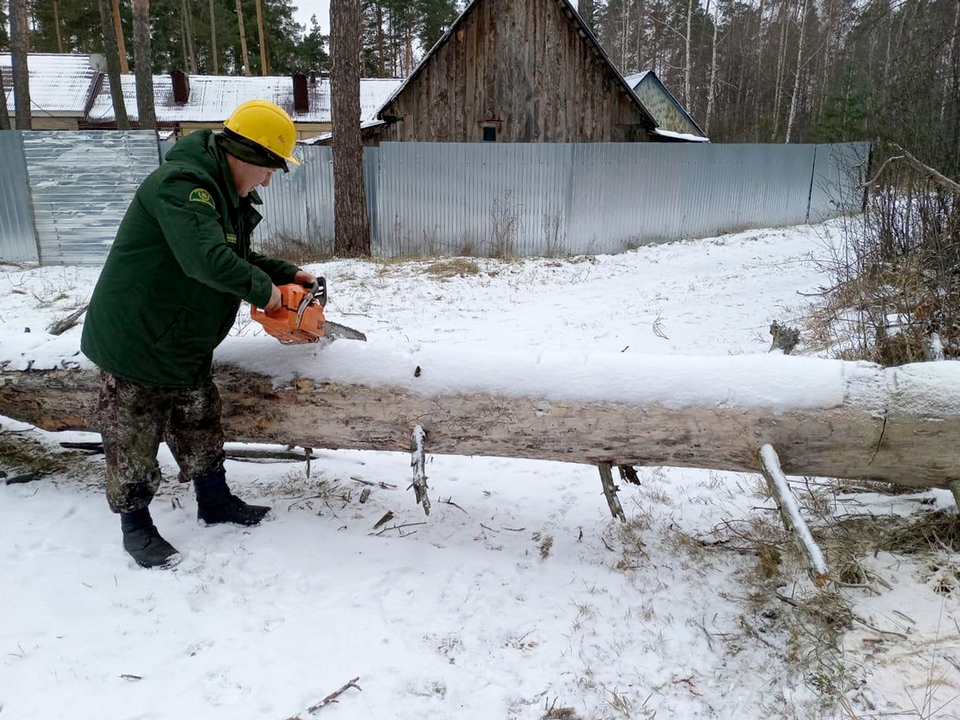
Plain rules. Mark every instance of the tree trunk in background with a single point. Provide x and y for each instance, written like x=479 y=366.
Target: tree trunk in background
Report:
x=781 y=64
x=56 y=25
x=713 y=69
x=213 y=40
x=186 y=29
x=243 y=40
x=352 y=228
x=143 y=64
x=4 y=113
x=380 y=45
x=687 y=65
x=19 y=50
x=113 y=63
x=954 y=131
x=121 y=45
x=264 y=62
x=796 y=77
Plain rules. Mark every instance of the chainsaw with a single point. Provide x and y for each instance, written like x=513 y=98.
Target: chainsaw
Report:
x=300 y=318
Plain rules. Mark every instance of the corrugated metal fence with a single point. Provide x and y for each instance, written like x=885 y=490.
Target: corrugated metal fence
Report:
x=542 y=199
x=17 y=240
x=81 y=184
x=67 y=192
x=440 y=198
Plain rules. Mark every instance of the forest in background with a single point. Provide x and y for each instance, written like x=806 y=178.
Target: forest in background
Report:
x=758 y=71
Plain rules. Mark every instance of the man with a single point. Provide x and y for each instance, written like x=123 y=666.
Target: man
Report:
x=167 y=296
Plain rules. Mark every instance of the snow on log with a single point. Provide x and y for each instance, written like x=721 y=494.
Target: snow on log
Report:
x=825 y=417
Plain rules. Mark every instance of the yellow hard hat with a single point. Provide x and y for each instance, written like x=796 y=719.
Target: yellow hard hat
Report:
x=267 y=125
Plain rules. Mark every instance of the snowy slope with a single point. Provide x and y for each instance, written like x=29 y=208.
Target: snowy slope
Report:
x=519 y=596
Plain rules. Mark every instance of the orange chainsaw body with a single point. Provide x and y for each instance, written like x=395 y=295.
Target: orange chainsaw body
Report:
x=283 y=323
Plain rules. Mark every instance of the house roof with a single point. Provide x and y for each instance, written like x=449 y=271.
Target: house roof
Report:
x=667 y=125
x=59 y=84
x=213 y=97
x=572 y=13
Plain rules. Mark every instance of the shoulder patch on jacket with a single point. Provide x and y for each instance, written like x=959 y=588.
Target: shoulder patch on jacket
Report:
x=202 y=196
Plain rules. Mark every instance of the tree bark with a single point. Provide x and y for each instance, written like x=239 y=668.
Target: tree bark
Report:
x=4 y=112
x=143 y=61
x=687 y=66
x=56 y=25
x=213 y=40
x=799 y=69
x=243 y=40
x=19 y=50
x=352 y=228
x=121 y=45
x=264 y=62
x=713 y=69
x=186 y=28
x=113 y=63
x=898 y=425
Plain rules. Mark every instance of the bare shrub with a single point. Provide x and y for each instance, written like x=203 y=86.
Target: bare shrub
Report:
x=896 y=277
x=295 y=250
x=554 y=235
x=506 y=222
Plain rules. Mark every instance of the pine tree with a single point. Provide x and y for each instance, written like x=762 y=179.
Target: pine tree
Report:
x=350 y=205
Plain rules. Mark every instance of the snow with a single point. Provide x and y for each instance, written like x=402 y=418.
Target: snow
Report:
x=518 y=593
x=689 y=137
x=60 y=84
x=213 y=97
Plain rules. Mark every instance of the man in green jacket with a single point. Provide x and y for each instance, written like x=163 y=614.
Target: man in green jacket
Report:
x=167 y=296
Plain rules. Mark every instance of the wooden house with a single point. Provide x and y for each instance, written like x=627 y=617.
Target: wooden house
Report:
x=515 y=71
x=673 y=120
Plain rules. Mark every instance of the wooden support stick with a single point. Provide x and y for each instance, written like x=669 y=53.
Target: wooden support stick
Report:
x=610 y=491
x=790 y=512
x=955 y=489
x=418 y=461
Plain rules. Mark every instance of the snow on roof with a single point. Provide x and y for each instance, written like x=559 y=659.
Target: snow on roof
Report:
x=213 y=97
x=60 y=84
x=681 y=136
x=634 y=80
x=327 y=136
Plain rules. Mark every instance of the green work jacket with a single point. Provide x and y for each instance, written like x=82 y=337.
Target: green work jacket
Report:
x=176 y=273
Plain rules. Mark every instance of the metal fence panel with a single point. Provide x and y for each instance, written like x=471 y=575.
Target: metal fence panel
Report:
x=82 y=183
x=448 y=198
x=628 y=195
x=18 y=243
x=298 y=205
x=838 y=180
x=463 y=198
x=543 y=199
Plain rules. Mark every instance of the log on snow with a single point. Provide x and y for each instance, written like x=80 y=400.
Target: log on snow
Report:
x=824 y=417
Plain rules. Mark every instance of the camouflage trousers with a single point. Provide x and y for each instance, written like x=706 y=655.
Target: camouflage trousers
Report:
x=135 y=418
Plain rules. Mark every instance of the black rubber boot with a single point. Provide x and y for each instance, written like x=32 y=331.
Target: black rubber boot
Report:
x=216 y=504
x=143 y=542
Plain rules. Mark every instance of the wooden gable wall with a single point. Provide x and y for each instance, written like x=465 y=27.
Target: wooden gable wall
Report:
x=522 y=68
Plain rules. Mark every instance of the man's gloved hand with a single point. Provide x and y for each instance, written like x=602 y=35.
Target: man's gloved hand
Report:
x=276 y=300
x=304 y=278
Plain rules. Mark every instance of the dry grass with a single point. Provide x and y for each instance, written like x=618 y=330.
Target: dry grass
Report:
x=445 y=268
x=895 y=297
x=297 y=251
x=23 y=455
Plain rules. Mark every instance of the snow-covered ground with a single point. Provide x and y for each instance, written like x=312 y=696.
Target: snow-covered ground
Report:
x=519 y=596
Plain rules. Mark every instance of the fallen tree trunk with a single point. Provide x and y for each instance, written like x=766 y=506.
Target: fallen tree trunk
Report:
x=824 y=417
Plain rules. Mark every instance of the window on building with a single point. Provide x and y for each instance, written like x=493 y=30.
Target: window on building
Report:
x=489 y=134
